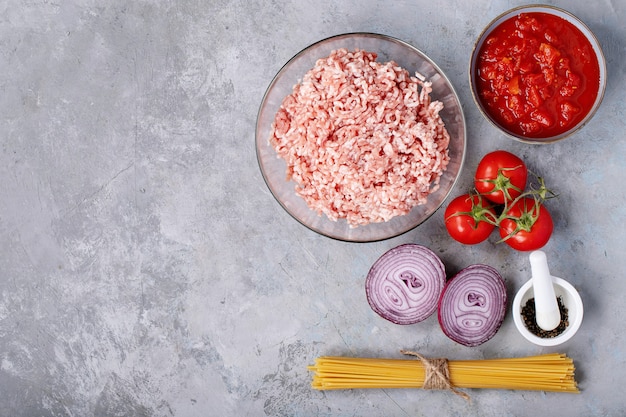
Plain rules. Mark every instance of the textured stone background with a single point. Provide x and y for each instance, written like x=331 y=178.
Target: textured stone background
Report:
x=145 y=269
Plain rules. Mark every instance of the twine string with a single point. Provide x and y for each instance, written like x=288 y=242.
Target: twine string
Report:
x=437 y=374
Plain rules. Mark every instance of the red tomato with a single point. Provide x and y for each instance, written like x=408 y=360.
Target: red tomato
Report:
x=469 y=219
x=500 y=176
x=527 y=225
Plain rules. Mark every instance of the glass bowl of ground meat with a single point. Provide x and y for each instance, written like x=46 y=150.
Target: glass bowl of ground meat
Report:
x=537 y=73
x=360 y=137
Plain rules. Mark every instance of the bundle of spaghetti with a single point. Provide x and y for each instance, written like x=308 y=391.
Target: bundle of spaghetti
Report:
x=552 y=372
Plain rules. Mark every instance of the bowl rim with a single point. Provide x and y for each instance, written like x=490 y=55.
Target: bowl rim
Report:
x=439 y=71
x=571 y=330
x=587 y=32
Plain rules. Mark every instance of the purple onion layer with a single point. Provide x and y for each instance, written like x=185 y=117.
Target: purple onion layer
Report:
x=404 y=284
x=473 y=305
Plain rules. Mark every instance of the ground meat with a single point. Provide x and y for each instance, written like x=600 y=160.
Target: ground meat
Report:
x=362 y=139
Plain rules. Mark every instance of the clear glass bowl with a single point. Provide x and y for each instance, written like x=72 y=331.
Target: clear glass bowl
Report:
x=274 y=168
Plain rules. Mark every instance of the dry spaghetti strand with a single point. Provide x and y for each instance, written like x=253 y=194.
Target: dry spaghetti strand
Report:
x=552 y=372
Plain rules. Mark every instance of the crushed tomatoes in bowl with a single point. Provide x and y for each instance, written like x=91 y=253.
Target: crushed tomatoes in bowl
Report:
x=537 y=75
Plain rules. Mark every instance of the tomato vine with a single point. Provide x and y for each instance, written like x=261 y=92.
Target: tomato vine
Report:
x=507 y=203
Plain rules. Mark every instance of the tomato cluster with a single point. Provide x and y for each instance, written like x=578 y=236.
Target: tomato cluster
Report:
x=501 y=200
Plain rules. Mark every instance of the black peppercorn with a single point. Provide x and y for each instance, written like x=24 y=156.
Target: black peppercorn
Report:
x=530 y=320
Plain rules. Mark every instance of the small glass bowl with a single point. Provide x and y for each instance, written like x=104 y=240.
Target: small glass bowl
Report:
x=573 y=20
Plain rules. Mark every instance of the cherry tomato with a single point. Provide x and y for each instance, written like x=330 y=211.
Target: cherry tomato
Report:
x=469 y=219
x=500 y=176
x=527 y=225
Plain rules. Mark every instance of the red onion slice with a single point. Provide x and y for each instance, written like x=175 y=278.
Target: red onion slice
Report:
x=473 y=305
x=404 y=284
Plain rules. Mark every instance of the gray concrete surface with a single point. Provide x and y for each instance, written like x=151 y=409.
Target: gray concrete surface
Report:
x=145 y=269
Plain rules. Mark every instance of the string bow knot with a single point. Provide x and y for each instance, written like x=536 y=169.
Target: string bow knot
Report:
x=437 y=374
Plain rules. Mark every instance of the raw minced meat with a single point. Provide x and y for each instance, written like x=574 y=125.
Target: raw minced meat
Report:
x=362 y=140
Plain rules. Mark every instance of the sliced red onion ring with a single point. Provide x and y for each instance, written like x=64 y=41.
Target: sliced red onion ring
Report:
x=473 y=305
x=404 y=284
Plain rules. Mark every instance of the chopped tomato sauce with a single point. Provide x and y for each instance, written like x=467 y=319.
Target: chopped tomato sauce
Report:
x=537 y=75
